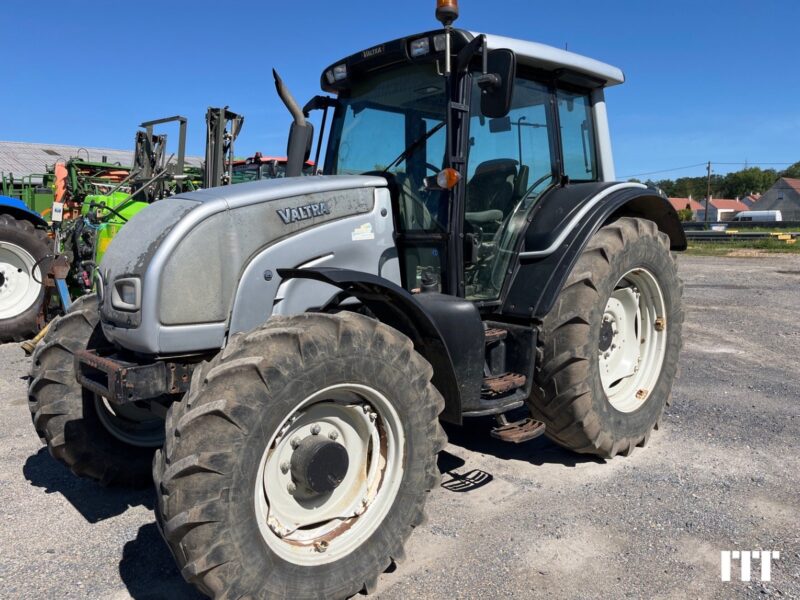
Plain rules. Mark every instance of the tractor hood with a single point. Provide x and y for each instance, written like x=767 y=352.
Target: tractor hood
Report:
x=169 y=278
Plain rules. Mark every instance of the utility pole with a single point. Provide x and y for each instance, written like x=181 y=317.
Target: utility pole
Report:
x=708 y=189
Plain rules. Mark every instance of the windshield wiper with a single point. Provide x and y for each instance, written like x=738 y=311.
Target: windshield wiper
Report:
x=413 y=147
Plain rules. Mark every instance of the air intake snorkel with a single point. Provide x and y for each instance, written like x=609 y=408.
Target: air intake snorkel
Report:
x=301 y=133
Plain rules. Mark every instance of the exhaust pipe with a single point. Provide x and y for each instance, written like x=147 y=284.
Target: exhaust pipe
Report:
x=301 y=133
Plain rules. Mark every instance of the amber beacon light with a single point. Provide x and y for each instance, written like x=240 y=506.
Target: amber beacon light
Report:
x=446 y=11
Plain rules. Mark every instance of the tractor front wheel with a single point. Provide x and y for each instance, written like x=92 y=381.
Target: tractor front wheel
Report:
x=90 y=435
x=300 y=459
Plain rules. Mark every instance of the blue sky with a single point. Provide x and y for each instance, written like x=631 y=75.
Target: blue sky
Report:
x=716 y=80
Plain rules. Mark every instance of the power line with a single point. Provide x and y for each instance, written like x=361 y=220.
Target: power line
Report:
x=752 y=164
x=703 y=164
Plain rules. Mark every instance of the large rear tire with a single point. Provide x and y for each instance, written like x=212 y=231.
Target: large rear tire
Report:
x=82 y=430
x=242 y=503
x=608 y=350
x=23 y=249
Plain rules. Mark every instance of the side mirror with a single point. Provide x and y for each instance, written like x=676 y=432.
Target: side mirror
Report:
x=497 y=86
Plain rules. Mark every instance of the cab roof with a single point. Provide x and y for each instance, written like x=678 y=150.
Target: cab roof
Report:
x=570 y=67
x=550 y=58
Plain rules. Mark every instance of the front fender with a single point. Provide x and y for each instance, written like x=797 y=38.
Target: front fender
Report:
x=561 y=227
x=446 y=330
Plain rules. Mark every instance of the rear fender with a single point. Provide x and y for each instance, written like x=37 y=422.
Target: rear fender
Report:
x=446 y=330
x=20 y=211
x=562 y=226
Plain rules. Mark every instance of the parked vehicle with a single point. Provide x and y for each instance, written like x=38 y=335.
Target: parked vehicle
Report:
x=771 y=216
x=281 y=352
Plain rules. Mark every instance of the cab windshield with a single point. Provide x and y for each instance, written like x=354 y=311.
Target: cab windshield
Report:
x=380 y=118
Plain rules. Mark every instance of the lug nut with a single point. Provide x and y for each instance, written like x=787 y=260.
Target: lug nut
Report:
x=315 y=429
x=333 y=435
x=291 y=487
x=284 y=467
x=295 y=442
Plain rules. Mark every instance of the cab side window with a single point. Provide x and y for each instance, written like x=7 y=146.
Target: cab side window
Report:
x=507 y=155
x=577 y=136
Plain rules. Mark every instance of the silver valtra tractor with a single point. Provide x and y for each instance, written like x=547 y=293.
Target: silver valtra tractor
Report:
x=277 y=356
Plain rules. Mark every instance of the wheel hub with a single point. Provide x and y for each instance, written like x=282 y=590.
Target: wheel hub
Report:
x=329 y=474
x=632 y=340
x=606 y=334
x=319 y=464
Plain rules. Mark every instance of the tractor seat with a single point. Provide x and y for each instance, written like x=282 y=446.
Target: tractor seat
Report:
x=491 y=190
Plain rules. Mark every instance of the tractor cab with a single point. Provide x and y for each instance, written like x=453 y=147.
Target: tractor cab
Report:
x=469 y=147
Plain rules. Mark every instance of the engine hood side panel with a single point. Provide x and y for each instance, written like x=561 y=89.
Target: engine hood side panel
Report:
x=205 y=267
x=190 y=253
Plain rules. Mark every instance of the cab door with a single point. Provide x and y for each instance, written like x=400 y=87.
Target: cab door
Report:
x=512 y=160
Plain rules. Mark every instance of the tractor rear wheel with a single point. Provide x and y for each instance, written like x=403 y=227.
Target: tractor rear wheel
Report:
x=300 y=459
x=608 y=350
x=95 y=439
x=23 y=247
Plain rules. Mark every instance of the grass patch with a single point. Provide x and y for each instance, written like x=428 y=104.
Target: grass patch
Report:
x=741 y=229
x=739 y=248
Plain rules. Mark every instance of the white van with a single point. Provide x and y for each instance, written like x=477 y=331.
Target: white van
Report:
x=758 y=215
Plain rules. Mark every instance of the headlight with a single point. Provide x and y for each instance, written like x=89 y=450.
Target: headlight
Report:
x=340 y=72
x=420 y=47
x=329 y=76
x=126 y=294
x=440 y=42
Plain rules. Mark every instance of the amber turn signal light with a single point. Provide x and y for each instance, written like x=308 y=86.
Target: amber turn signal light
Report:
x=448 y=178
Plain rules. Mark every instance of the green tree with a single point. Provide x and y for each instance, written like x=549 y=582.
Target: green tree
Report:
x=747 y=181
x=792 y=172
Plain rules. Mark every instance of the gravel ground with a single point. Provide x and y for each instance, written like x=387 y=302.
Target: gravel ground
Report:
x=723 y=473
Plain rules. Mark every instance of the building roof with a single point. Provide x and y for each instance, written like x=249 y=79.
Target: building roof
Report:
x=24 y=158
x=792 y=183
x=728 y=204
x=681 y=203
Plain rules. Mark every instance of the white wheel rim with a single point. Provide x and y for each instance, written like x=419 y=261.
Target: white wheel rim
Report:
x=19 y=275
x=312 y=529
x=633 y=340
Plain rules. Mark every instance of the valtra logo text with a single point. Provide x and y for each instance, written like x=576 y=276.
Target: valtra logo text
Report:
x=301 y=213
